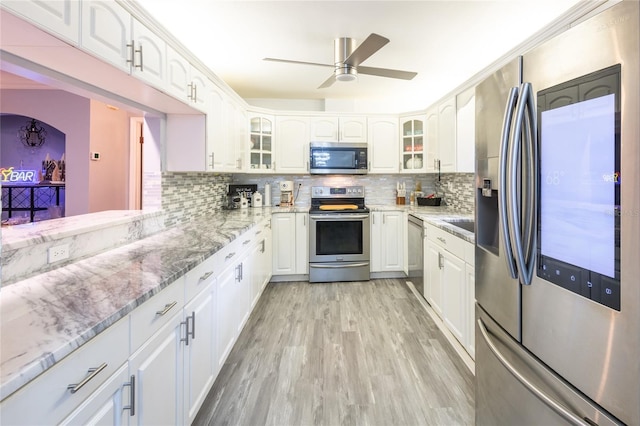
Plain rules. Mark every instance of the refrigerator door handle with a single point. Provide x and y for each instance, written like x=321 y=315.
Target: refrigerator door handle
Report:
x=523 y=264
x=546 y=399
x=503 y=199
x=531 y=170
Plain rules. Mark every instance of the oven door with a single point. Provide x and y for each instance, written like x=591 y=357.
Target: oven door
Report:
x=339 y=237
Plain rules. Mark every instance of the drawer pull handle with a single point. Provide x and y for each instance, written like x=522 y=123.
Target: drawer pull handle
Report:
x=258 y=232
x=244 y=243
x=442 y=240
x=205 y=276
x=230 y=255
x=166 y=309
x=93 y=373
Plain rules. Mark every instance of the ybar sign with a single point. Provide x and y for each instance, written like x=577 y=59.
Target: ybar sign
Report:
x=17 y=176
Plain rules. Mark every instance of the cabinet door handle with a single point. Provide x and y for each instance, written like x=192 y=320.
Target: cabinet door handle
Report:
x=166 y=309
x=193 y=325
x=211 y=155
x=186 y=326
x=132 y=53
x=263 y=246
x=304 y=220
x=205 y=276
x=195 y=93
x=369 y=166
x=93 y=372
x=190 y=89
x=440 y=261
x=132 y=397
x=139 y=52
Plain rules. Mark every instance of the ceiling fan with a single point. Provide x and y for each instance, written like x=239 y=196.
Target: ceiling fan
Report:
x=347 y=60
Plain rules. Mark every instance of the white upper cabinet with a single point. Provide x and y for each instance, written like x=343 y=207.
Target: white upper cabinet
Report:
x=178 y=75
x=383 y=144
x=339 y=129
x=113 y=35
x=292 y=150
x=220 y=154
x=465 y=131
x=60 y=18
x=186 y=82
x=261 y=141
x=106 y=32
x=447 y=135
x=431 y=149
x=412 y=147
x=149 y=56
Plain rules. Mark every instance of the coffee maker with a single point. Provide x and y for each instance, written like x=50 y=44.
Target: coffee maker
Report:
x=286 y=193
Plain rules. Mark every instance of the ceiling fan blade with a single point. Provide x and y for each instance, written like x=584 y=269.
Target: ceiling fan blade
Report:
x=385 y=72
x=297 y=62
x=328 y=82
x=368 y=47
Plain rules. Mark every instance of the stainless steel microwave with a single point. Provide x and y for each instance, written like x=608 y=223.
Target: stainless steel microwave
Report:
x=338 y=158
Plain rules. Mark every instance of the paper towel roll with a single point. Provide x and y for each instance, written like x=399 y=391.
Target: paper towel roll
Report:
x=267 y=194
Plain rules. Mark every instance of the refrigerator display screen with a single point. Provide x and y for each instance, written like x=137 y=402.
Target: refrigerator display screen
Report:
x=579 y=193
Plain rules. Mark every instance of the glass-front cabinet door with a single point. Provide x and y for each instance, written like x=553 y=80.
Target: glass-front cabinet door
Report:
x=261 y=144
x=412 y=144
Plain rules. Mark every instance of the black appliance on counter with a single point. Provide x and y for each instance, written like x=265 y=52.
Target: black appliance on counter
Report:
x=339 y=235
x=236 y=192
x=344 y=158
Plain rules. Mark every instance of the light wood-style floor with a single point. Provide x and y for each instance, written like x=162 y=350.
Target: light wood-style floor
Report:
x=363 y=353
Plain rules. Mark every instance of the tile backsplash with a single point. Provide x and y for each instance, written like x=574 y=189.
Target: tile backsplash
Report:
x=379 y=189
x=186 y=195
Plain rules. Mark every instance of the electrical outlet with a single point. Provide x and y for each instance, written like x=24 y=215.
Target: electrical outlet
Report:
x=58 y=253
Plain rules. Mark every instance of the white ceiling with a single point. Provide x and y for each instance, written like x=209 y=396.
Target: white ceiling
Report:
x=445 y=42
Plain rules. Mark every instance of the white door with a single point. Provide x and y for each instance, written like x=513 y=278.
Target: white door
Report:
x=200 y=366
x=284 y=243
x=302 y=243
x=447 y=135
x=432 y=276
x=227 y=312
x=383 y=145
x=292 y=144
x=59 y=17
x=454 y=296
x=150 y=55
x=392 y=241
x=106 y=32
x=157 y=366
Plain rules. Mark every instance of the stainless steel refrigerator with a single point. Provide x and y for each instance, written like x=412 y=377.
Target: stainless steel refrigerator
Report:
x=558 y=230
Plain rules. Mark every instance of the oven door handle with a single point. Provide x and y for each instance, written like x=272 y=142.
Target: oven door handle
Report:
x=339 y=216
x=334 y=266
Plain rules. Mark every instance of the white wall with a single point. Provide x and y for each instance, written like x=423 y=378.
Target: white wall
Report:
x=108 y=177
x=71 y=115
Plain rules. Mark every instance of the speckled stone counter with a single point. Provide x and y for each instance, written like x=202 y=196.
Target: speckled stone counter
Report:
x=46 y=317
x=435 y=216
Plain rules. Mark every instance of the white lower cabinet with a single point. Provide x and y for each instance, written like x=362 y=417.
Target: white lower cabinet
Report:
x=449 y=283
x=200 y=366
x=156 y=365
x=290 y=243
x=109 y=405
x=388 y=241
x=157 y=368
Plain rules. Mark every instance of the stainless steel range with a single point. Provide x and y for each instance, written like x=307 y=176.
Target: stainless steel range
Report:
x=339 y=235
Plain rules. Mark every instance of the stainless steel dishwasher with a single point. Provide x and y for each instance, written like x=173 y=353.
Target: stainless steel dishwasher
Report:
x=416 y=262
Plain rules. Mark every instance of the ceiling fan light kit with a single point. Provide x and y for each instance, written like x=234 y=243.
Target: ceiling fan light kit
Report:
x=347 y=58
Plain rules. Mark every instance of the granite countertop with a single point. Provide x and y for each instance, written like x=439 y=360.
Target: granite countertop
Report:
x=435 y=216
x=64 y=308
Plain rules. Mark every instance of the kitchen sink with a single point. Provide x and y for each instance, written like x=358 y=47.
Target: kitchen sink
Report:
x=468 y=225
